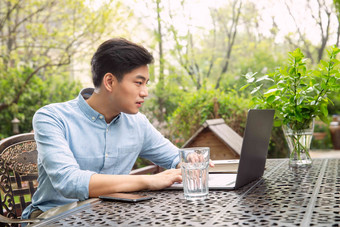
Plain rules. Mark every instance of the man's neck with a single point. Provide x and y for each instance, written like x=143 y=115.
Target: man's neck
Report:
x=99 y=102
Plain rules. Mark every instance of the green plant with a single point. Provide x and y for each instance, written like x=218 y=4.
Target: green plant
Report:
x=38 y=92
x=298 y=95
x=321 y=136
x=197 y=107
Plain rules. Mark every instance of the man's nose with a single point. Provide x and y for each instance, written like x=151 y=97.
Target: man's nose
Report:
x=144 y=92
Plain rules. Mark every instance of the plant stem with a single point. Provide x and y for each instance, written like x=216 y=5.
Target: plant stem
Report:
x=329 y=69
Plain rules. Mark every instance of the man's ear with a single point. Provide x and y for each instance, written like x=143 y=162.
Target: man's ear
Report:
x=109 y=80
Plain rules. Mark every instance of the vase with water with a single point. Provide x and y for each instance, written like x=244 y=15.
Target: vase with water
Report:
x=299 y=138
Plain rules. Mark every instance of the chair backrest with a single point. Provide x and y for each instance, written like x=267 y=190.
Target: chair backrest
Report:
x=18 y=173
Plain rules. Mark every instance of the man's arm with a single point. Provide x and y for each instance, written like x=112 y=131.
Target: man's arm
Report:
x=69 y=180
x=101 y=184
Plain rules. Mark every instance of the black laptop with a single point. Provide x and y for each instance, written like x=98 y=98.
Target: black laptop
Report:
x=253 y=153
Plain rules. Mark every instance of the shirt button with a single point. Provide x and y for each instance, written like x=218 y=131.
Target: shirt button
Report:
x=107 y=130
x=93 y=118
x=101 y=117
x=106 y=155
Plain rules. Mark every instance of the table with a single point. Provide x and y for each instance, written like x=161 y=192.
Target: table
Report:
x=283 y=197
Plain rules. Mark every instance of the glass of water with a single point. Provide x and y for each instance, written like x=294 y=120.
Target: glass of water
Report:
x=195 y=172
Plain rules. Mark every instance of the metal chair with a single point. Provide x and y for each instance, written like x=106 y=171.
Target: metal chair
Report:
x=18 y=175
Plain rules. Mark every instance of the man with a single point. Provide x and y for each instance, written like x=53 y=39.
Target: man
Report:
x=87 y=146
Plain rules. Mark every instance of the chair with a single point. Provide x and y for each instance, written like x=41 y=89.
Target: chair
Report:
x=18 y=175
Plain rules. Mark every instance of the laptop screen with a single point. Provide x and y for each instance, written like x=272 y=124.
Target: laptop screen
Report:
x=255 y=146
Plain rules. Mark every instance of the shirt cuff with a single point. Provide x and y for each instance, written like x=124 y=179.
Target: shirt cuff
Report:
x=84 y=182
x=175 y=162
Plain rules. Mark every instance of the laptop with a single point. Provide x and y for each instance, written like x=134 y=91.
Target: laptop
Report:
x=253 y=153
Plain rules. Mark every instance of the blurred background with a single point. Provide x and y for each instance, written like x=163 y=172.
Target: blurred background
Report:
x=202 y=49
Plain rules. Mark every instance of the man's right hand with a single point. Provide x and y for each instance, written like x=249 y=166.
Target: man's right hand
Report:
x=164 y=179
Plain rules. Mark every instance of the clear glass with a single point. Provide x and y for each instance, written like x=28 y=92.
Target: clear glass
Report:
x=195 y=172
x=299 y=142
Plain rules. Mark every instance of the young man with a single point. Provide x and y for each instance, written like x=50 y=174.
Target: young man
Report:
x=87 y=146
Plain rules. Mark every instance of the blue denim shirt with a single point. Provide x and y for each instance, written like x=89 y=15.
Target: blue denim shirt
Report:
x=74 y=142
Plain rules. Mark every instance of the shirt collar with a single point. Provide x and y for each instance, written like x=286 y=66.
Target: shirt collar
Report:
x=89 y=112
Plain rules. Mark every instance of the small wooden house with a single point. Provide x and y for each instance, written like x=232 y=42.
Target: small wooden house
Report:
x=223 y=141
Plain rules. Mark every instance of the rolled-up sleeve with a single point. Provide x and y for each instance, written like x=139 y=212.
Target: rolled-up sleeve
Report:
x=157 y=148
x=56 y=157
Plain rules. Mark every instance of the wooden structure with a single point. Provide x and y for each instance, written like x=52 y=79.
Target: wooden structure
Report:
x=223 y=141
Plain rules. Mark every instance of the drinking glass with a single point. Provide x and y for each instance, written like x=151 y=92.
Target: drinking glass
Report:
x=195 y=172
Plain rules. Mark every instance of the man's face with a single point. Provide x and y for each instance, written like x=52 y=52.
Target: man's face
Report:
x=128 y=94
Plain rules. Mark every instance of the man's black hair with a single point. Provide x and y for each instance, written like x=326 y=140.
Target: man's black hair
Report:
x=119 y=57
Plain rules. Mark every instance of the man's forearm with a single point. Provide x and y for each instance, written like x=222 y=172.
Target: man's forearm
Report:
x=101 y=184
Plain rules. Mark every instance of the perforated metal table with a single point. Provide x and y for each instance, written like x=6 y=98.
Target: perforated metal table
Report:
x=283 y=197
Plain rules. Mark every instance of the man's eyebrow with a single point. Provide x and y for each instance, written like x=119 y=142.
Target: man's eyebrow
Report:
x=141 y=77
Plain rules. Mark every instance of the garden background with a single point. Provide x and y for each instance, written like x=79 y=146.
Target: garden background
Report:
x=202 y=51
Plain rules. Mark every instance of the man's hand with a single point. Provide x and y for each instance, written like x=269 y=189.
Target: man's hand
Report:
x=164 y=179
x=211 y=164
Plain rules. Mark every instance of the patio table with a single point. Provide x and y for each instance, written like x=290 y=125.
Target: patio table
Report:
x=282 y=197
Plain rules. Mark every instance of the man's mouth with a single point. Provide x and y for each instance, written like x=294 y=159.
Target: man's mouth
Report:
x=139 y=104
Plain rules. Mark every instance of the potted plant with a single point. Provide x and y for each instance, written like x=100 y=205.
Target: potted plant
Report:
x=298 y=95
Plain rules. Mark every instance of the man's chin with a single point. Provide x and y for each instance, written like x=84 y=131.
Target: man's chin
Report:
x=131 y=112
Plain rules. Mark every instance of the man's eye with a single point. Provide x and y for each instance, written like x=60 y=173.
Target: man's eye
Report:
x=139 y=83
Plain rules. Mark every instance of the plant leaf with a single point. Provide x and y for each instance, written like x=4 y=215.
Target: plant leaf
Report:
x=270 y=99
x=325 y=64
x=244 y=87
x=266 y=77
x=324 y=109
x=271 y=91
x=256 y=89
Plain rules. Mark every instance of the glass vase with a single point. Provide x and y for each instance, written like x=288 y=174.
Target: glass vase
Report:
x=299 y=141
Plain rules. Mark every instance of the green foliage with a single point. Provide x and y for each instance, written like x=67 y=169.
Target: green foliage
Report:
x=298 y=95
x=334 y=109
x=38 y=41
x=337 y=7
x=321 y=136
x=40 y=92
x=262 y=57
x=170 y=95
x=141 y=162
x=197 y=107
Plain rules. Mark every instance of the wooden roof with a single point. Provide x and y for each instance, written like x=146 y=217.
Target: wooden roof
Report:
x=222 y=131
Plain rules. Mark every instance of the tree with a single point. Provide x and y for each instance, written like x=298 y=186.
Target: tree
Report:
x=198 y=53
x=39 y=93
x=322 y=13
x=38 y=41
x=229 y=27
x=32 y=35
x=184 y=47
x=337 y=10
x=161 y=77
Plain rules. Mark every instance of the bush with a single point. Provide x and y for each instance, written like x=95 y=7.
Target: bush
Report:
x=38 y=93
x=197 y=107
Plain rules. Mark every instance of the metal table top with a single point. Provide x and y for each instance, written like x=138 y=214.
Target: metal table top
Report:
x=283 y=197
